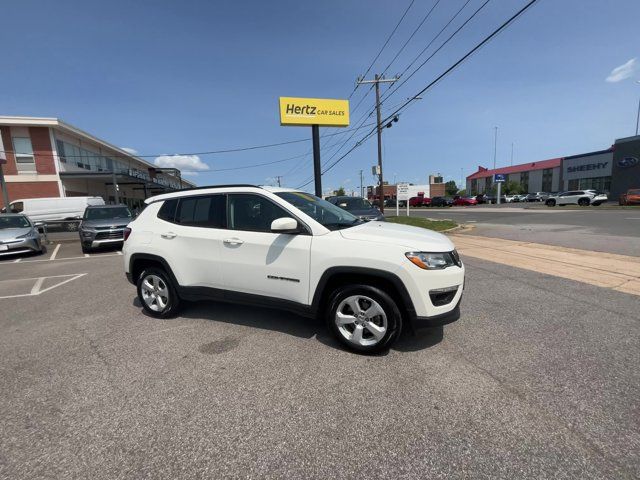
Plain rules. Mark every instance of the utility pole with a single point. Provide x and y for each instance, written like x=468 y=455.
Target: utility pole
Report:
x=377 y=80
x=278 y=177
x=361 y=190
x=495 y=146
x=512 y=154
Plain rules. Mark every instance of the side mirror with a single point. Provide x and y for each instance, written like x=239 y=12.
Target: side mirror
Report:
x=285 y=225
x=38 y=224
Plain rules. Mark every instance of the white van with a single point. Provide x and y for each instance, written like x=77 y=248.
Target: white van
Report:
x=54 y=209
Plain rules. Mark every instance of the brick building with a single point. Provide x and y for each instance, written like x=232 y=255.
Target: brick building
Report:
x=46 y=157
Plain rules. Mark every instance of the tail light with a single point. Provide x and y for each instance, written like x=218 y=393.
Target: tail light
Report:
x=127 y=232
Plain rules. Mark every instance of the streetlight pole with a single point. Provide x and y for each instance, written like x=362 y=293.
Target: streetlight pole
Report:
x=495 y=146
x=638 y=116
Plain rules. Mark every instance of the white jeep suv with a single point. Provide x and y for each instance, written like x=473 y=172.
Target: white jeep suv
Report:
x=282 y=248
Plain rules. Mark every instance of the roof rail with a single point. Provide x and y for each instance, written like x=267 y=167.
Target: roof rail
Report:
x=216 y=186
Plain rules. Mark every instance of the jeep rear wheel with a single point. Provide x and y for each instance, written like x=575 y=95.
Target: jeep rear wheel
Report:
x=363 y=318
x=551 y=203
x=583 y=202
x=157 y=293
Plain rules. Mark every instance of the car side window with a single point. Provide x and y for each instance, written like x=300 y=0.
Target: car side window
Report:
x=167 y=211
x=17 y=207
x=252 y=212
x=201 y=211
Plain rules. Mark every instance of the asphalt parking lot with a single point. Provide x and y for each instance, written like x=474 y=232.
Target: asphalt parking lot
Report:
x=538 y=379
x=590 y=228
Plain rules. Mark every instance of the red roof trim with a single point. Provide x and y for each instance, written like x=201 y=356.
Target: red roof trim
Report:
x=483 y=172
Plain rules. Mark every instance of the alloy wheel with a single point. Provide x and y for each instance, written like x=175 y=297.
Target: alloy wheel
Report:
x=155 y=293
x=361 y=320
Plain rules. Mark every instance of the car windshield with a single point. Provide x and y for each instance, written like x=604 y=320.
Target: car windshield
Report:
x=14 y=222
x=106 y=213
x=353 y=203
x=634 y=192
x=323 y=212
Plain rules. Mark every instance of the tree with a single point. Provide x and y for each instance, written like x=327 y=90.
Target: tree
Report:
x=339 y=192
x=512 y=188
x=451 y=188
x=462 y=193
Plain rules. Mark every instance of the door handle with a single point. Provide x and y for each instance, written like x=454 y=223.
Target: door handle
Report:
x=233 y=241
x=168 y=235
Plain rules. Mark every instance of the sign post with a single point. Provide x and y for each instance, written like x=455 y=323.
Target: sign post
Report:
x=3 y=185
x=402 y=193
x=499 y=178
x=314 y=112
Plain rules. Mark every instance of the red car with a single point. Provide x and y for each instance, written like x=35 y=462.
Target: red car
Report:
x=419 y=201
x=632 y=197
x=464 y=201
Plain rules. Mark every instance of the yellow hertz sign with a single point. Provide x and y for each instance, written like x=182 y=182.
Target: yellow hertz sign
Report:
x=314 y=111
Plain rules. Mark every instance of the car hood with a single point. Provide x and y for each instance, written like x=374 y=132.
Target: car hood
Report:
x=10 y=233
x=108 y=222
x=414 y=238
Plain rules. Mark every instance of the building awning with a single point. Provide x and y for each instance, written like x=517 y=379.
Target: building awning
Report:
x=122 y=178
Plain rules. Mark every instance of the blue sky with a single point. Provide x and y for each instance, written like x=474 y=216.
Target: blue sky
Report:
x=189 y=76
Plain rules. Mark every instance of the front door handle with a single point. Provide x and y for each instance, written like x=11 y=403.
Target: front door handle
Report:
x=233 y=241
x=168 y=235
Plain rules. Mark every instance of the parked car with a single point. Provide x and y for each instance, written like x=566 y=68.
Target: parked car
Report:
x=509 y=198
x=536 y=197
x=281 y=248
x=482 y=198
x=18 y=234
x=103 y=226
x=391 y=202
x=464 y=201
x=632 y=197
x=54 y=209
x=358 y=206
x=577 y=197
x=493 y=199
x=441 y=202
x=417 y=201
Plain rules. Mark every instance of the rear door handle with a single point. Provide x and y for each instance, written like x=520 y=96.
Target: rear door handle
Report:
x=233 y=241
x=168 y=235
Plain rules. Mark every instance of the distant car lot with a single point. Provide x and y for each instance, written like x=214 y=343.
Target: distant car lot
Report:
x=252 y=392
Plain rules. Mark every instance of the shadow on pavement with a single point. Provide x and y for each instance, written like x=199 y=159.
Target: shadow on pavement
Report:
x=295 y=325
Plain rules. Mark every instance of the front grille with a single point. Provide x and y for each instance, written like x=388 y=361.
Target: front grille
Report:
x=112 y=235
x=442 y=296
x=109 y=228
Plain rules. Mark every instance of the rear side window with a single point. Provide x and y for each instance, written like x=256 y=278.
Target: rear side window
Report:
x=202 y=211
x=167 y=211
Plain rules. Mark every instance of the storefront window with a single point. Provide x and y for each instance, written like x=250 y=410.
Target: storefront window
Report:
x=547 y=177
x=524 y=181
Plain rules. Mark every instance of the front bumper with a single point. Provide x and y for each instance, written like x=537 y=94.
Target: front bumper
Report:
x=101 y=238
x=20 y=245
x=436 y=320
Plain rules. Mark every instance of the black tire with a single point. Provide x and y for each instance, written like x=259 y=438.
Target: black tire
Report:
x=86 y=249
x=171 y=299
x=583 y=202
x=596 y=204
x=551 y=203
x=388 y=306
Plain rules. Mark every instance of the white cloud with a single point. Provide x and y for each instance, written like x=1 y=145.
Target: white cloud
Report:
x=187 y=164
x=132 y=151
x=623 y=72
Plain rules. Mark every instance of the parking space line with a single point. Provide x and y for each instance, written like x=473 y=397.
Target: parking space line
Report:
x=37 y=286
x=119 y=252
x=55 y=252
x=17 y=260
x=86 y=255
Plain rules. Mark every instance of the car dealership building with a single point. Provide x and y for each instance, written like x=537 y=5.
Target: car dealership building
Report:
x=614 y=170
x=46 y=157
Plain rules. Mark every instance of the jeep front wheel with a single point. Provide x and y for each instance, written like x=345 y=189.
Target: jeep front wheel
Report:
x=363 y=318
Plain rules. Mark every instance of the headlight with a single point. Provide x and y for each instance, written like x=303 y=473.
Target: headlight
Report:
x=434 y=261
x=32 y=233
x=86 y=232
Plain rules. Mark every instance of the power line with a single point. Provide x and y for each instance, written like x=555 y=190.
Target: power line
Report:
x=384 y=45
x=487 y=39
x=424 y=19
x=396 y=87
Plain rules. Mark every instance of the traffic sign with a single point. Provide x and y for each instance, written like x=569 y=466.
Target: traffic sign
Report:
x=499 y=178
